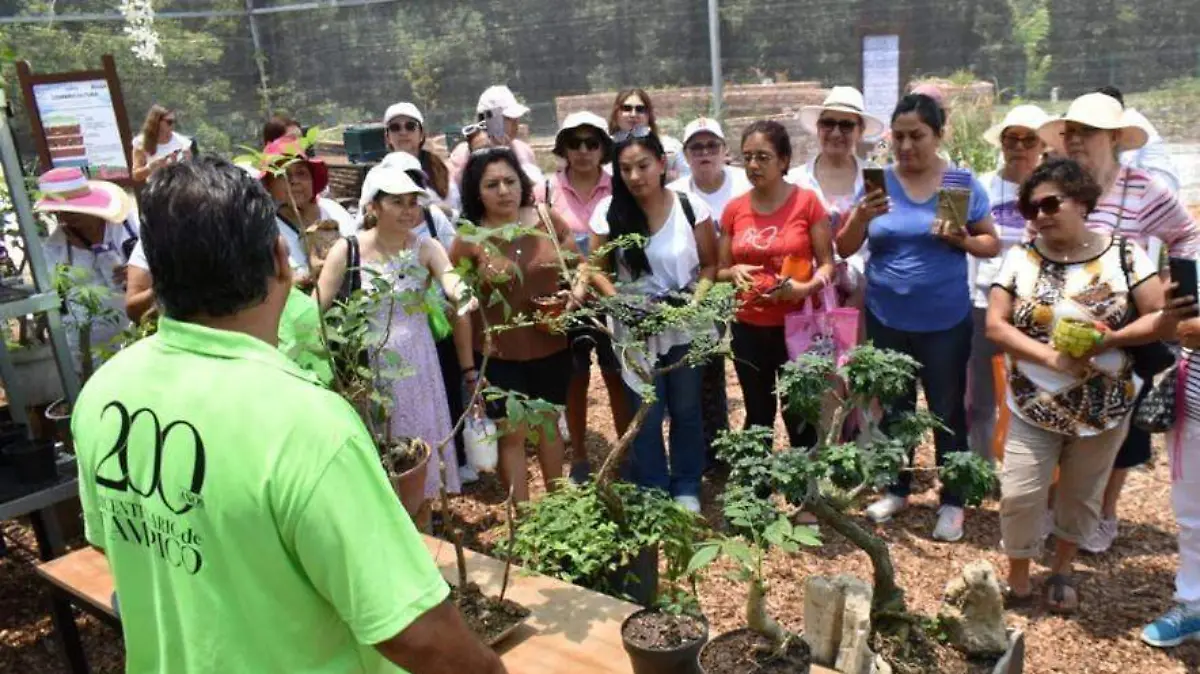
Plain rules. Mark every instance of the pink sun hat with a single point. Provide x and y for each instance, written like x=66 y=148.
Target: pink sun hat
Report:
x=67 y=190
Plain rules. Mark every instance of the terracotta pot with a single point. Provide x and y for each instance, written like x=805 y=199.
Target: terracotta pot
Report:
x=410 y=485
x=683 y=659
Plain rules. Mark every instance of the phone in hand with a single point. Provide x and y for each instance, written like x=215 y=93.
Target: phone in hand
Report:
x=873 y=180
x=1183 y=273
x=494 y=119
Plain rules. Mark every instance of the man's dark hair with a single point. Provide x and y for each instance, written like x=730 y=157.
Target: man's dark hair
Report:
x=1112 y=92
x=209 y=233
x=1075 y=183
x=472 y=178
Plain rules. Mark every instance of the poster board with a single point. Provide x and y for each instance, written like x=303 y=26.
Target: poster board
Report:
x=78 y=119
x=881 y=74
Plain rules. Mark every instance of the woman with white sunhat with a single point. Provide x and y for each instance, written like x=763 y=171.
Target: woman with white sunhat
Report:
x=1016 y=138
x=497 y=105
x=839 y=124
x=1135 y=204
x=405 y=132
x=574 y=192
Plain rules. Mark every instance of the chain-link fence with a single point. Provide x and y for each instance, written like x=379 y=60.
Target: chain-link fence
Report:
x=228 y=63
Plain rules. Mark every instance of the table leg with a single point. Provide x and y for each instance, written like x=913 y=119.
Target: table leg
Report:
x=50 y=545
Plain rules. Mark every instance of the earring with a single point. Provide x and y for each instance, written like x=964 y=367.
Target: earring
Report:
x=370 y=220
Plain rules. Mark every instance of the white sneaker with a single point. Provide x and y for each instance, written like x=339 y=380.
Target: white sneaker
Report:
x=467 y=475
x=882 y=510
x=1047 y=524
x=949 y=525
x=1102 y=539
x=690 y=502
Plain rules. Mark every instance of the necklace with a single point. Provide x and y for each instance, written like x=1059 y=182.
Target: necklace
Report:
x=1080 y=252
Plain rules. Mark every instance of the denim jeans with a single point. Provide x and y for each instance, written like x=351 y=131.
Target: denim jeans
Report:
x=943 y=357
x=679 y=396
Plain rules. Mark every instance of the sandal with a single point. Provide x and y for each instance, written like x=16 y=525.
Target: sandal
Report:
x=1055 y=594
x=1014 y=601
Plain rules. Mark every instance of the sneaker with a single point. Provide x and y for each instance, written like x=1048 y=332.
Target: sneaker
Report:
x=882 y=510
x=949 y=525
x=467 y=475
x=1047 y=524
x=581 y=472
x=563 y=431
x=1102 y=539
x=1178 y=625
x=690 y=502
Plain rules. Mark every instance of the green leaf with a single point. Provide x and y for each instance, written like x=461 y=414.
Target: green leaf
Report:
x=705 y=554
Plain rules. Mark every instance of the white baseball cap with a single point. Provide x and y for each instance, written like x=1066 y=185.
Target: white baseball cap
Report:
x=386 y=179
x=702 y=125
x=502 y=97
x=403 y=161
x=404 y=109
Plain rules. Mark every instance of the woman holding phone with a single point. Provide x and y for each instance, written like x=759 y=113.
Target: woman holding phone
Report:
x=917 y=299
x=158 y=144
x=776 y=243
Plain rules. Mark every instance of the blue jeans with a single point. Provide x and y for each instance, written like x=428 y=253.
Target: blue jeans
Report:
x=679 y=395
x=943 y=357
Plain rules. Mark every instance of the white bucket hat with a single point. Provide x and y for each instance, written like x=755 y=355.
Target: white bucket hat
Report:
x=1099 y=111
x=388 y=179
x=502 y=97
x=1023 y=116
x=404 y=109
x=576 y=120
x=842 y=99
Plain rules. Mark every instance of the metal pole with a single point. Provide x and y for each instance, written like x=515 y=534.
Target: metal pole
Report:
x=714 y=48
x=259 y=57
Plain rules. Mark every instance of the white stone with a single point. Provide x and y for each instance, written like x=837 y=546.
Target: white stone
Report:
x=973 y=611
x=823 y=602
x=854 y=651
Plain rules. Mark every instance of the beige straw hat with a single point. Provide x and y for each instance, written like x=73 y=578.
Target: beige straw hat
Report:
x=1023 y=116
x=842 y=99
x=1099 y=111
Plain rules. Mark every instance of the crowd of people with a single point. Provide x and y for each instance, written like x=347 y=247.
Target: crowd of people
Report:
x=1072 y=225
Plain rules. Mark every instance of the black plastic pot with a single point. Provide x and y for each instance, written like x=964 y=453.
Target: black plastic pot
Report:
x=9 y=434
x=682 y=660
x=636 y=580
x=32 y=461
x=58 y=414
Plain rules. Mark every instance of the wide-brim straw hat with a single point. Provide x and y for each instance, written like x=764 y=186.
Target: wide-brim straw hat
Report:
x=1098 y=111
x=67 y=190
x=842 y=99
x=1023 y=116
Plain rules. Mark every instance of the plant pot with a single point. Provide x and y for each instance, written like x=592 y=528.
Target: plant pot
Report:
x=32 y=461
x=681 y=659
x=410 y=484
x=38 y=373
x=740 y=640
x=637 y=579
x=10 y=434
x=59 y=416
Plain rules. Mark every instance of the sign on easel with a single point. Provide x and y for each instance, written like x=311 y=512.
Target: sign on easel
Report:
x=881 y=74
x=78 y=119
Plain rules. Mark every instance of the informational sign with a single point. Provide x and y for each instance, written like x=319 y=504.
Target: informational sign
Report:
x=881 y=73
x=78 y=119
x=81 y=128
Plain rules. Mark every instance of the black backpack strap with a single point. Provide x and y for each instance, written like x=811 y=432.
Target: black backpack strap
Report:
x=351 y=280
x=429 y=221
x=688 y=211
x=549 y=191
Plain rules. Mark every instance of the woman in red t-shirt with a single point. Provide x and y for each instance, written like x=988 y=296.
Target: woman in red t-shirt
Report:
x=777 y=245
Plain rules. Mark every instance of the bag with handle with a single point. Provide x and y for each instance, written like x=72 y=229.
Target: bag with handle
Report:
x=1159 y=409
x=830 y=331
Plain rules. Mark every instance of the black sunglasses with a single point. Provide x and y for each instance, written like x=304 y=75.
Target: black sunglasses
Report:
x=1048 y=205
x=1011 y=142
x=636 y=132
x=588 y=142
x=410 y=125
x=639 y=109
x=710 y=147
x=846 y=125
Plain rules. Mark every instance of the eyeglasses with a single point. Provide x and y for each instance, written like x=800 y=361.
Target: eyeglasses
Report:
x=639 y=109
x=711 y=147
x=586 y=142
x=489 y=150
x=410 y=126
x=636 y=132
x=1048 y=205
x=1082 y=130
x=1012 y=142
x=760 y=157
x=847 y=126
x=472 y=129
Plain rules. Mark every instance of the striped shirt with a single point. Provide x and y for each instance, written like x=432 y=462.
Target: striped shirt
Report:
x=1144 y=209
x=1190 y=361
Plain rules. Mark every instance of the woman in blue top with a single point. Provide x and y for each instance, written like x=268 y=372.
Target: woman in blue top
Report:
x=918 y=299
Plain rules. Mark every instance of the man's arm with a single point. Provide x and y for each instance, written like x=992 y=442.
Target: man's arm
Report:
x=440 y=643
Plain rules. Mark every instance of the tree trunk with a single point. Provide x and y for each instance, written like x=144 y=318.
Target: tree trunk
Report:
x=756 y=613
x=886 y=596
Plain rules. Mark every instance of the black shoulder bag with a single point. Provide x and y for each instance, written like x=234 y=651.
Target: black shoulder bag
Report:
x=1148 y=359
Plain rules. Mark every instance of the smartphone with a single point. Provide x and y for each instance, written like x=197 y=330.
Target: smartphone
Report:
x=873 y=180
x=1183 y=272
x=495 y=124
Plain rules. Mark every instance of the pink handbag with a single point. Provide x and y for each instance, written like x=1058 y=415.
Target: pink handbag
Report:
x=829 y=331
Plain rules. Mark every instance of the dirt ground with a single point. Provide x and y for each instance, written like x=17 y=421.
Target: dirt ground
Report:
x=1121 y=590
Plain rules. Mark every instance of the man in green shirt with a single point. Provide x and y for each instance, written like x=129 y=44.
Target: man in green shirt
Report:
x=242 y=506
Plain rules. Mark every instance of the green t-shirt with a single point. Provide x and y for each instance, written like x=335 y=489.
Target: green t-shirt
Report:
x=248 y=522
x=300 y=335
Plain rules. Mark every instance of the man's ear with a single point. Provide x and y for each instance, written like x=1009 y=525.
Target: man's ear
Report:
x=283 y=266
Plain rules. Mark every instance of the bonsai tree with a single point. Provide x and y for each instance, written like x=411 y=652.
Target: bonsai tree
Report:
x=88 y=306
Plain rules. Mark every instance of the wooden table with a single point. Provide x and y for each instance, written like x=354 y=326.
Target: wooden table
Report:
x=571 y=629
